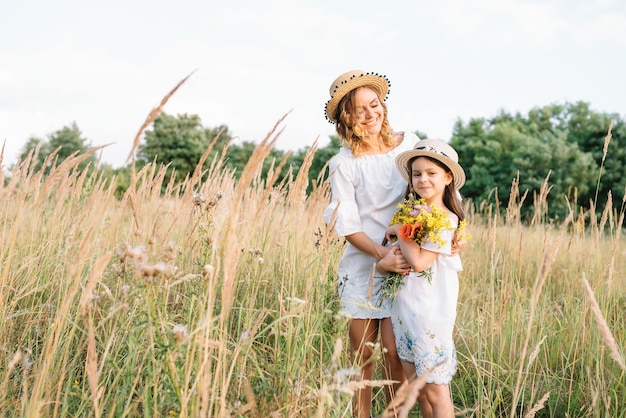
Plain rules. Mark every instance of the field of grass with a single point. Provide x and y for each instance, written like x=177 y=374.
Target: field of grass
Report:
x=217 y=298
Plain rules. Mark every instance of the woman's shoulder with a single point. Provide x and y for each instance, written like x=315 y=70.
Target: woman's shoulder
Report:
x=343 y=157
x=405 y=140
x=343 y=154
x=410 y=137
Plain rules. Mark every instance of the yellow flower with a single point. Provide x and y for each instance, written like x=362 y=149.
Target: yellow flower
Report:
x=461 y=235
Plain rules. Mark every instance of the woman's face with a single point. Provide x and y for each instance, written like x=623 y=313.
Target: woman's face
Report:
x=369 y=112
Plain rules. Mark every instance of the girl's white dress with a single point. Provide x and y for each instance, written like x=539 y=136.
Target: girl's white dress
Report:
x=424 y=312
x=366 y=191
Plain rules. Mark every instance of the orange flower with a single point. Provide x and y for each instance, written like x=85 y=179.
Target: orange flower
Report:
x=407 y=232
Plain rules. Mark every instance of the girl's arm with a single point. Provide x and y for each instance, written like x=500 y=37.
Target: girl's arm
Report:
x=418 y=258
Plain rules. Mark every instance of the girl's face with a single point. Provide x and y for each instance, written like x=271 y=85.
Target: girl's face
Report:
x=369 y=112
x=429 y=180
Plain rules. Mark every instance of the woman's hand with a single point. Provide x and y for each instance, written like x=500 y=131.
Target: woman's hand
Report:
x=393 y=261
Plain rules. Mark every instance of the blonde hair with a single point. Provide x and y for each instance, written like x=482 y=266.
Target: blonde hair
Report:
x=352 y=136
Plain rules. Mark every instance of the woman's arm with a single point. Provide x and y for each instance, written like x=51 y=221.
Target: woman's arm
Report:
x=365 y=244
x=389 y=258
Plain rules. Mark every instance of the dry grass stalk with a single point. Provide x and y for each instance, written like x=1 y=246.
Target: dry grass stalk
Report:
x=354 y=385
x=548 y=260
x=607 y=139
x=91 y=363
x=579 y=226
x=4 y=143
x=614 y=256
x=297 y=191
x=249 y=409
x=272 y=178
x=233 y=239
x=96 y=274
x=154 y=113
x=91 y=368
x=608 y=209
x=64 y=313
x=406 y=397
x=593 y=223
x=17 y=357
x=540 y=201
x=538 y=406
x=231 y=246
x=36 y=178
x=534 y=353
x=60 y=173
x=607 y=336
x=205 y=375
x=197 y=172
x=513 y=214
x=605 y=149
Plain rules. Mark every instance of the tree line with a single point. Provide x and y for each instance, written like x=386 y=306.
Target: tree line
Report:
x=579 y=154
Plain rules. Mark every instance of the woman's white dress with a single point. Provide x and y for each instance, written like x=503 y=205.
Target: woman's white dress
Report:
x=365 y=193
x=424 y=312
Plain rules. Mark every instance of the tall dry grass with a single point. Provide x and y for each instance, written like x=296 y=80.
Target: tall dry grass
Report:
x=531 y=340
x=217 y=298
x=187 y=303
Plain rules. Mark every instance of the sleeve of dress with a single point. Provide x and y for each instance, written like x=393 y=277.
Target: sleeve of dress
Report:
x=343 y=201
x=445 y=258
x=447 y=235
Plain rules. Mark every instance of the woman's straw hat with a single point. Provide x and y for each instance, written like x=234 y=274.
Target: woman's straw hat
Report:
x=350 y=81
x=436 y=149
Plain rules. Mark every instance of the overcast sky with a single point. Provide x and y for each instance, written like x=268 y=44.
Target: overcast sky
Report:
x=105 y=65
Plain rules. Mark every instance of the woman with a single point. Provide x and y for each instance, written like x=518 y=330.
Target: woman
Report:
x=366 y=188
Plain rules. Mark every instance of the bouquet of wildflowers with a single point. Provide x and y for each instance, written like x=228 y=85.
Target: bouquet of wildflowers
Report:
x=419 y=222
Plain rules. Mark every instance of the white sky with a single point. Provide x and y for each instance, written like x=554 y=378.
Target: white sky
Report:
x=105 y=65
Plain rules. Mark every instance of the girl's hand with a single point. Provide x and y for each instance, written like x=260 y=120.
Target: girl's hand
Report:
x=457 y=246
x=391 y=232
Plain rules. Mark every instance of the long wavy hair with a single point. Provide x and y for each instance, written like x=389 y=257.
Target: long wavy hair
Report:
x=352 y=134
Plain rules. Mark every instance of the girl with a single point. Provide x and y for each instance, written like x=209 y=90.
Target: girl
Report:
x=424 y=310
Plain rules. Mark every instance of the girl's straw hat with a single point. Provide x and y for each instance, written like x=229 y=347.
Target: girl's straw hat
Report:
x=436 y=149
x=349 y=81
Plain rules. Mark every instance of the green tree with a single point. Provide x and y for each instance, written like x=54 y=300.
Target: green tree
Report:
x=589 y=130
x=495 y=152
x=65 y=142
x=179 y=141
x=68 y=140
